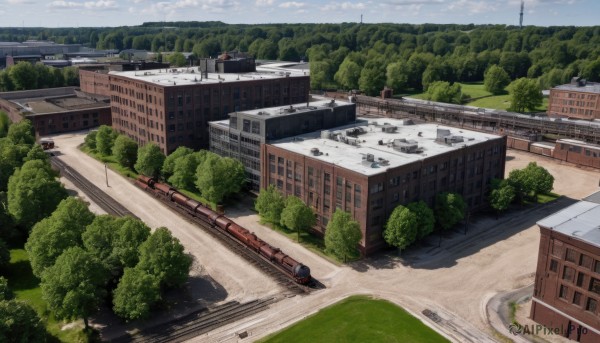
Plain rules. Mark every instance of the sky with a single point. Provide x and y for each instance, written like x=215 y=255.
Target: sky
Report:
x=86 y=13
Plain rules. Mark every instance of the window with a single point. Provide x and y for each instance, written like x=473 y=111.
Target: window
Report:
x=597 y=267
x=595 y=286
x=568 y=273
x=557 y=249
x=553 y=266
x=571 y=255
x=577 y=298
x=585 y=261
x=591 y=305
x=564 y=291
x=376 y=188
x=580 y=278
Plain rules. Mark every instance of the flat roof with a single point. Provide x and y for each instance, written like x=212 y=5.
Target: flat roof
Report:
x=286 y=110
x=348 y=151
x=580 y=220
x=590 y=87
x=594 y=197
x=193 y=75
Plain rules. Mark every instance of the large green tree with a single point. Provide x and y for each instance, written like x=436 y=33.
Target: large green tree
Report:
x=162 y=256
x=184 y=172
x=136 y=293
x=401 y=228
x=501 y=196
x=90 y=139
x=19 y=323
x=33 y=193
x=218 y=177
x=24 y=76
x=525 y=94
x=495 y=80
x=449 y=209
x=125 y=151
x=297 y=216
x=105 y=139
x=51 y=236
x=342 y=234
x=348 y=74
x=169 y=163
x=149 y=160
x=397 y=75
x=443 y=91
x=21 y=132
x=425 y=218
x=74 y=286
x=4 y=124
x=270 y=204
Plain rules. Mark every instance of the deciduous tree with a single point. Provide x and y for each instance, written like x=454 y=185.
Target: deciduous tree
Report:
x=20 y=323
x=218 y=177
x=525 y=94
x=501 y=196
x=21 y=132
x=169 y=163
x=495 y=80
x=342 y=234
x=149 y=160
x=444 y=92
x=36 y=153
x=136 y=293
x=270 y=204
x=401 y=228
x=125 y=151
x=74 y=285
x=53 y=235
x=296 y=215
x=162 y=256
x=184 y=173
x=425 y=218
x=105 y=139
x=90 y=139
x=449 y=209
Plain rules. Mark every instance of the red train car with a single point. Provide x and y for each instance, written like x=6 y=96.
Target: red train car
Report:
x=297 y=270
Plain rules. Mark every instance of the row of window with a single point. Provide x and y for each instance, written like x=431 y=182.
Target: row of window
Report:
x=591 y=304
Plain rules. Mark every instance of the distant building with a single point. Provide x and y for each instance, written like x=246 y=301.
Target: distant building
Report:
x=369 y=168
x=567 y=281
x=56 y=110
x=578 y=99
x=172 y=107
x=94 y=78
x=241 y=136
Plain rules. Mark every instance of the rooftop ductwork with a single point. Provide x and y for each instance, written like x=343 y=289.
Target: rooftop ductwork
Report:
x=315 y=152
x=387 y=128
x=355 y=131
x=408 y=147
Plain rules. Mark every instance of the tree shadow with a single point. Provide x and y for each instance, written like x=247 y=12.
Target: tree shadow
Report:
x=483 y=230
x=196 y=296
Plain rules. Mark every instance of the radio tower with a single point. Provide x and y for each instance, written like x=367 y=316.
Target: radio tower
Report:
x=521 y=15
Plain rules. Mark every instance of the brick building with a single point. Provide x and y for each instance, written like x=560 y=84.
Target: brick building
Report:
x=567 y=281
x=172 y=107
x=369 y=168
x=578 y=99
x=94 y=78
x=240 y=137
x=56 y=110
x=578 y=152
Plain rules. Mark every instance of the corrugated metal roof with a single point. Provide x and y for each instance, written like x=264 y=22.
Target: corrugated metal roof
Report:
x=580 y=220
x=594 y=197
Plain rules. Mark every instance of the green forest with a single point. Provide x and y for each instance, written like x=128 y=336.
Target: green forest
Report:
x=365 y=56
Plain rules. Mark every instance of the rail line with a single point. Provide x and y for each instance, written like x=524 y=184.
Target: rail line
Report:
x=268 y=268
x=197 y=323
x=98 y=196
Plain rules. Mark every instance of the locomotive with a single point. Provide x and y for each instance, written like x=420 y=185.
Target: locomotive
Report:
x=299 y=272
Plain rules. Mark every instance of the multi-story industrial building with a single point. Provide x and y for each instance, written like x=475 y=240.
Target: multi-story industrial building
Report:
x=55 y=110
x=94 y=78
x=567 y=281
x=369 y=168
x=578 y=99
x=240 y=137
x=172 y=107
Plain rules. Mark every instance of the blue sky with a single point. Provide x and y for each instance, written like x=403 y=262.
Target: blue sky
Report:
x=61 y=13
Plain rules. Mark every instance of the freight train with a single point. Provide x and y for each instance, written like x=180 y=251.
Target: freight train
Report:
x=299 y=272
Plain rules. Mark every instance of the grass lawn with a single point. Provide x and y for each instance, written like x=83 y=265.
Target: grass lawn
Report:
x=546 y=198
x=474 y=89
x=111 y=162
x=359 y=319
x=26 y=287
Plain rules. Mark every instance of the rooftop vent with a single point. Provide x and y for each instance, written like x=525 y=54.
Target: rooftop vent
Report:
x=356 y=131
x=315 y=152
x=331 y=103
x=326 y=134
x=387 y=128
x=408 y=147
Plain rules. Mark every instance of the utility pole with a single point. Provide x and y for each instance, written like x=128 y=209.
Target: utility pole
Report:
x=106 y=174
x=521 y=15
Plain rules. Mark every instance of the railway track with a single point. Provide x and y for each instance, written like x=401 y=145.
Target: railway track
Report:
x=197 y=323
x=98 y=196
x=270 y=269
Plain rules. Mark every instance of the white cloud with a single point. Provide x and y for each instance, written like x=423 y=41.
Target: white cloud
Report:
x=94 y=5
x=474 y=6
x=20 y=2
x=335 y=6
x=292 y=4
x=264 y=3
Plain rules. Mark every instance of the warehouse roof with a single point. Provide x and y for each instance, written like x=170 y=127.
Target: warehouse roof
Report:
x=372 y=147
x=580 y=220
x=193 y=75
x=277 y=111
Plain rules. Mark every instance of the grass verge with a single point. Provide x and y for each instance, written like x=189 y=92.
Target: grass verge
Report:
x=111 y=162
x=359 y=319
x=26 y=287
x=512 y=312
x=546 y=198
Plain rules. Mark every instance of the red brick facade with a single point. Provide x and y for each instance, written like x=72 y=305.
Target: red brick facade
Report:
x=94 y=82
x=371 y=199
x=567 y=286
x=574 y=104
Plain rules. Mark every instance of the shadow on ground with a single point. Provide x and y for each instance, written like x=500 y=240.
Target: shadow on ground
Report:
x=199 y=293
x=483 y=230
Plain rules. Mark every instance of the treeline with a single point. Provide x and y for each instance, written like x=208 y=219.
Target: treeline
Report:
x=366 y=56
x=25 y=76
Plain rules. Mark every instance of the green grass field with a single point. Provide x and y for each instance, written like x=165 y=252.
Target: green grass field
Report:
x=359 y=319
x=26 y=287
x=486 y=99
